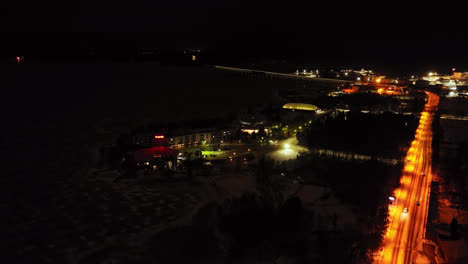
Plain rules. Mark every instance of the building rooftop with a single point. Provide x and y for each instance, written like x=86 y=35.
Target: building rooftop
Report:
x=300 y=106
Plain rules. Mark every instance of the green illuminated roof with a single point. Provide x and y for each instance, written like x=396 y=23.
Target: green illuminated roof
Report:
x=299 y=106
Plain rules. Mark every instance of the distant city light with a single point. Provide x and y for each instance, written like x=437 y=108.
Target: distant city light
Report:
x=250 y=131
x=158 y=136
x=358 y=78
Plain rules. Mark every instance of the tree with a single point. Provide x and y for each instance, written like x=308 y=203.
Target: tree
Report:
x=248 y=222
x=261 y=134
x=189 y=165
x=268 y=185
x=129 y=166
x=454 y=228
x=237 y=165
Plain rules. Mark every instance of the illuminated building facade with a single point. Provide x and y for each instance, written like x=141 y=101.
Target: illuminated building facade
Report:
x=183 y=138
x=300 y=106
x=207 y=137
x=149 y=140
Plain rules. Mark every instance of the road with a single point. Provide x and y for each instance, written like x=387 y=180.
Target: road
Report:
x=404 y=236
x=287 y=149
x=281 y=151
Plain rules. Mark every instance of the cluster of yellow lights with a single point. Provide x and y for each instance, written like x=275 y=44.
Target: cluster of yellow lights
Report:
x=387 y=254
x=405 y=180
x=411 y=157
x=403 y=194
x=250 y=131
x=300 y=106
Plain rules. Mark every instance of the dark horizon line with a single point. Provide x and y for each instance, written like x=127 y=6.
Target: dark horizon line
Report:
x=401 y=69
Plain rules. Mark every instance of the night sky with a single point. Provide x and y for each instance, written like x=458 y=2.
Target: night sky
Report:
x=327 y=32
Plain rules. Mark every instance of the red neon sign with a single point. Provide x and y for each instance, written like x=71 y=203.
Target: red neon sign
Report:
x=158 y=136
